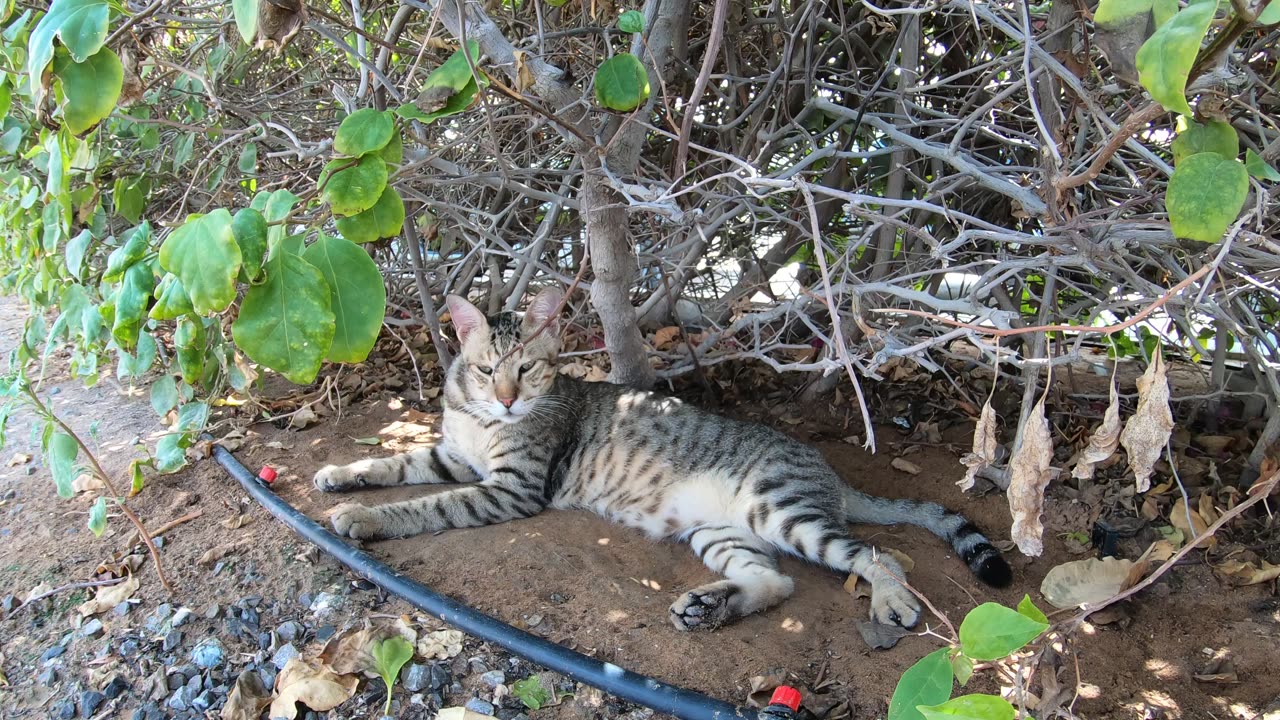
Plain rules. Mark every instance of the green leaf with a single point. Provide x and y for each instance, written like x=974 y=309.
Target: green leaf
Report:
x=971 y=707
x=455 y=72
x=164 y=394
x=622 y=83
x=383 y=220
x=91 y=88
x=249 y=228
x=454 y=82
x=631 y=21
x=204 y=255
x=248 y=162
x=81 y=25
x=962 y=667
x=393 y=153
x=1111 y=12
x=136 y=479
x=171 y=453
x=1205 y=195
x=1165 y=59
x=352 y=186
x=531 y=692
x=357 y=296
x=189 y=341
x=275 y=207
x=1271 y=15
x=1216 y=137
x=1253 y=162
x=131 y=305
x=134 y=247
x=1162 y=10
x=172 y=301
x=130 y=198
x=287 y=323
x=389 y=655
x=98 y=517
x=992 y=631
x=192 y=417
x=457 y=103
x=60 y=452
x=1029 y=609
x=928 y=682
x=75 y=252
x=364 y=131
x=135 y=365
x=246 y=14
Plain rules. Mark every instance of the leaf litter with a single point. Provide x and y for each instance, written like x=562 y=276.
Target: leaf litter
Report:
x=1147 y=433
x=1104 y=440
x=1029 y=475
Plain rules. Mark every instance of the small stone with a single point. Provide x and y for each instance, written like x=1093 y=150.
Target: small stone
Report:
x=53 y=652
x=208 y=654
x=264 y=641
x=534 y=621
x=64 y=710
x=326 y=604
x=129 y=647
x=181 y=616
x=202 y=702
x=282 y=657
x=324 y=632
x=289 y=631
x=8 y=603
x=158 y=541
x=415 y=677
x=305 y=600
x=194 y=685
x=494 y=678
x=558 y=599
x=172 y=640
x=477 y=705
x=440 y=676
x=476 y=665
x=178 y=701
x=157 y=618
x=114 y=689
x=90 y=700
x=92 y=628
x=122 y=609
x=47 y=677
x=212 y=612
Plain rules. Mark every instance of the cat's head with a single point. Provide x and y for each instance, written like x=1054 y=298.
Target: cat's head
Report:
x=504 y=367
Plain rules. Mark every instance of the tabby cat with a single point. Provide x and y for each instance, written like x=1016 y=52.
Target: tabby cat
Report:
x=526 y=437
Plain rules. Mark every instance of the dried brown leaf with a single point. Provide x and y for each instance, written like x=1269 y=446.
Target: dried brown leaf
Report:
x=665 y=337
x=905 y=466
x=1085 y=582
x=1029 y=475
x=1104 y=440
x=1190 y=523
x=1147 y=432
x=109 y=597
x=524 y=75
x=440 y=645
x=352 y=652
x=247 y=698
x=1239 y=572
x=984 y=446
x=311 y=684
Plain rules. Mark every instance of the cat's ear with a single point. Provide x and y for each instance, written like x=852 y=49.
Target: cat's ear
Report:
x=466 y=317
x=544 y=305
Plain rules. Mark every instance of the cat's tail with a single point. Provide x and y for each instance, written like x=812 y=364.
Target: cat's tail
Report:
x=970 y=544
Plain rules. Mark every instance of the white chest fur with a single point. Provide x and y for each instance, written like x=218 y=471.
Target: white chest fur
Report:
x=469 y=440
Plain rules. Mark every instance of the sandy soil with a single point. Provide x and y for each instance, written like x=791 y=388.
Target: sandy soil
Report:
x=603 y=589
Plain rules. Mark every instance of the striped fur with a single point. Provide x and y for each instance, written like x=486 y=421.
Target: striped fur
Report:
x=739 y=493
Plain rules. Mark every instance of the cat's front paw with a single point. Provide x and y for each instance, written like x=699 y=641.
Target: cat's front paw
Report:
x=893 y=604
x=357 y=521
x=704 y=608
x=338 y=478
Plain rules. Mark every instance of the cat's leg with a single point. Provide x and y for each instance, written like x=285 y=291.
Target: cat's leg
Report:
x=506 y=494
x=826 y=541
x=424 y=466
x=752 y=582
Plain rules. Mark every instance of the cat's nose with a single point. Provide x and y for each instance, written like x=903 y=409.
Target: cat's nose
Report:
x=507 y=401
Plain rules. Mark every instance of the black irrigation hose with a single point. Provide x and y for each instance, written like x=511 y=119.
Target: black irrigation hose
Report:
x=608 y=677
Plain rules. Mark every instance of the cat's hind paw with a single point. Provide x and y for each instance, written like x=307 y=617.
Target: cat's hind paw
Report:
x=357 y=521
x=338 y=478
x=704 y=608
x=893 y=604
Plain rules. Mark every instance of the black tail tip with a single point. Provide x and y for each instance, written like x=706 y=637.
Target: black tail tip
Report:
x=993 y=570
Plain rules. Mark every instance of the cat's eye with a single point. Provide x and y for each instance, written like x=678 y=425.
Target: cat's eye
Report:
x=527 y=366
x=485 y=369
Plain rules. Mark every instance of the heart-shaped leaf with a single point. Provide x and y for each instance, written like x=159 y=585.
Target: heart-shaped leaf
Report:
x=357 y=295
x=249 y=228
x=131 y=304
x=1205 y=195
x=1258 y=167
x=364 y=131
x=1165 y=59
x=353 y=186
x=383 y=220
x=631 y=21
x=81 y=25
x=1215 y=136
x=287 y=323
x=928 y=682
x=992 y=631
x=60 y=452
x=91 y=88
x=622 y=83
x=971 y=707
x=204 y=255
x=246 y=14
x=171 y=299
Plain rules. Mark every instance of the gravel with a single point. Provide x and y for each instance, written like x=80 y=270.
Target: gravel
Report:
x=282 y=657
x=208 y=654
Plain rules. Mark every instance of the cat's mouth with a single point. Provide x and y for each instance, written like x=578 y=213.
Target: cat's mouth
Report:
x=509 y=415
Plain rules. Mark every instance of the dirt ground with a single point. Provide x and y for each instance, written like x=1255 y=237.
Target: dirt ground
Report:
x=601 y=589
